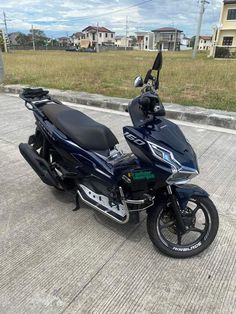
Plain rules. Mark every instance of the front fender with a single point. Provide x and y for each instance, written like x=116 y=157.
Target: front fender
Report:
x=186 y=191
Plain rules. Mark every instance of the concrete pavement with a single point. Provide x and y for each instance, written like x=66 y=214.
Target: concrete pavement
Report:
x=54 y=260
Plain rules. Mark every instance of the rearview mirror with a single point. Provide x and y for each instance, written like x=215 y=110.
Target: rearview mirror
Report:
x=138 y=82
x=158 y=62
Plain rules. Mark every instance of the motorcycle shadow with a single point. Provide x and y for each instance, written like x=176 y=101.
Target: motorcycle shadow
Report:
x=64 y=197
x=131 y=231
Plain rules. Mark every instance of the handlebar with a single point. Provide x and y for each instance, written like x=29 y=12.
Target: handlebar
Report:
x=150 y=104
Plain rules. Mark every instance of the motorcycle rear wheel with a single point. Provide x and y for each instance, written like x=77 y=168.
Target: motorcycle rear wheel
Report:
x=165 y=235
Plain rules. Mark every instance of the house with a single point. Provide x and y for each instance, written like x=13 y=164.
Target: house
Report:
x=13 y=37
x=100 y=35
x=167 y=38
x=85 y=43
x=184 y=42
x=205 y=42
x=224 y=39
x=76 y=37
x=145 y=40
x=123 y=41
x=63 y=41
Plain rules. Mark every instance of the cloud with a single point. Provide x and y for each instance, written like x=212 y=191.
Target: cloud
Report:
x=59 y=17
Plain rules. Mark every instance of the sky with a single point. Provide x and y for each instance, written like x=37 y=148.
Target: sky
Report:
x=63 y=18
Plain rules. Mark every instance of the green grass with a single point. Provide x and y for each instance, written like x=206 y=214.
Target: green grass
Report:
x=203 y=82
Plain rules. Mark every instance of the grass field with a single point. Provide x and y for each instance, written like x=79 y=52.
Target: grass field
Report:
x=203 y=82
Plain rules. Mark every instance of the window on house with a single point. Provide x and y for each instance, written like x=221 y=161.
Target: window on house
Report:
x=231 y=14
x=87 y=34
x=100 y=34
x=93 y=36
x=227 y=41
x=205 y=41
x=106 y=35
x=111 y=35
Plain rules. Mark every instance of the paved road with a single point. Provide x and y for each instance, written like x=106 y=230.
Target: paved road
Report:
x=54 y=260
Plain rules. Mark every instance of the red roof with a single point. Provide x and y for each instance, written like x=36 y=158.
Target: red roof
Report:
x=77 y=35
x=229 y=1
x=63 y=38
x=93 y=29
x=167 y=29
x=206 y=37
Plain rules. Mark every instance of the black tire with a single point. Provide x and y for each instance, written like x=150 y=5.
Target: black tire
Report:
x=179 y=250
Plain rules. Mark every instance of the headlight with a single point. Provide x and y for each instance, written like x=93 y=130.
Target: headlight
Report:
x=183 y=175
x=180 y=174
x=165 y=156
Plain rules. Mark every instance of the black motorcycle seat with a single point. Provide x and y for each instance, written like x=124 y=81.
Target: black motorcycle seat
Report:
x=83 y=130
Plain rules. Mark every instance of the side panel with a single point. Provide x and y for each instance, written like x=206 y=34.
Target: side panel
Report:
x=137 y=142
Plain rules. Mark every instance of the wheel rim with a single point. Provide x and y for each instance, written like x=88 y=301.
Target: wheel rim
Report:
x=197 y=220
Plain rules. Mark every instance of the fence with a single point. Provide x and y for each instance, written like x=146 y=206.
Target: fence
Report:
x=101 y=48
x=20 y=47
x=225 y=52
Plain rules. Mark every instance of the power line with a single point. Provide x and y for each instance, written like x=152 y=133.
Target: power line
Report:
x=111 y=12
x=99 y=15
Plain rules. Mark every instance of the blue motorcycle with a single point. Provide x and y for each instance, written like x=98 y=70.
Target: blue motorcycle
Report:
x=71 y=151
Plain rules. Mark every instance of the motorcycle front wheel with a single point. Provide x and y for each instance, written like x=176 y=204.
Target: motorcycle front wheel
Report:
x=201 y=221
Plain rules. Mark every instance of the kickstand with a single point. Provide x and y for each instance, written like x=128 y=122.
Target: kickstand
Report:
x=77 y=206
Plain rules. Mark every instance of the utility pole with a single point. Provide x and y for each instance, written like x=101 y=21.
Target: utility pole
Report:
x=5 y=35
x=126 y=32
x=5 y=22
x=175 y=39
x=33 y=40
x=202 y=10
x=97 y=46
x=4 y=41
x=1 y=68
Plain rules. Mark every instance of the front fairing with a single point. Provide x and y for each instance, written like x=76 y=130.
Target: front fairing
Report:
x=166 y=135
x=169 y=136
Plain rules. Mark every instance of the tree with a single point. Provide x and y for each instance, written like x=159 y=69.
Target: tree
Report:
x=23 y=39
x=39 y=36
x=53 y=42
x=134 y=41
x=192 y=41
x=1 y=41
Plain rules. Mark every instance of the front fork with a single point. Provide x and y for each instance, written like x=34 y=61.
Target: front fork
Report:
x=176 y=210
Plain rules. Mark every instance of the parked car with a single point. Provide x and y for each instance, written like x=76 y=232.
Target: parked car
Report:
x=89 y=50
x=86 y=50
x=72 y=48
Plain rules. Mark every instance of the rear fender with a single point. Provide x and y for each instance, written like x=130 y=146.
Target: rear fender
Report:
x=185 y=192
